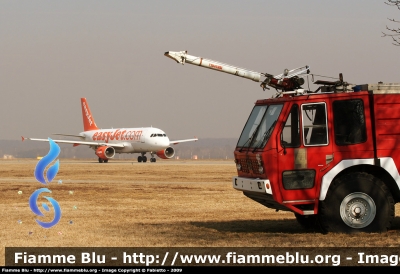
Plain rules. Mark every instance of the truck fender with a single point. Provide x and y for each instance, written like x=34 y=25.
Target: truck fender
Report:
x=387 y=163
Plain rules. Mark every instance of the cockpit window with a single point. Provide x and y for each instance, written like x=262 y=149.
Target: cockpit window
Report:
x=158 y=135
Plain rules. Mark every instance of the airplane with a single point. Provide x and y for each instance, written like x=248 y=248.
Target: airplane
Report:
x=107 y=142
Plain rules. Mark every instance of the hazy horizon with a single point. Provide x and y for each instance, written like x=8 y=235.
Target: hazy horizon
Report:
x=112 y=52
x=208 y=148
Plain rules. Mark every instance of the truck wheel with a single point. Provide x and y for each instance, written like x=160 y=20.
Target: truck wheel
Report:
x=308 y=222
x=357 y=202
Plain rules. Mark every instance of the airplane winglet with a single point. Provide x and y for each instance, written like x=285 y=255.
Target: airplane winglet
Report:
x=23 y=138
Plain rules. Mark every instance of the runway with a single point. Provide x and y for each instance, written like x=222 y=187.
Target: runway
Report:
x=163 y=204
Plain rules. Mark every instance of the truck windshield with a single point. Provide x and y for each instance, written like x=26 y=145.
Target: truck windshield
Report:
x=259 y=126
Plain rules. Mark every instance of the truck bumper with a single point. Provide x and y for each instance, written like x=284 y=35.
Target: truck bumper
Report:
x=258 y=190
x=253 y=185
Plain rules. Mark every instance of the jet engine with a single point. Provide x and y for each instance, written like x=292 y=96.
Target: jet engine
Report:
x=167 y=153
x=105 y=152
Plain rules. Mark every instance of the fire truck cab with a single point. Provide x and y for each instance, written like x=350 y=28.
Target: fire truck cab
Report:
x=331 y=156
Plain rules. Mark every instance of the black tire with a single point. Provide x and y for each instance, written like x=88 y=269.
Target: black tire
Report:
x=144 y=159
x=106 y=161
x=308 y=222
x=357 y=202
x=100 y=160
x=139 y=159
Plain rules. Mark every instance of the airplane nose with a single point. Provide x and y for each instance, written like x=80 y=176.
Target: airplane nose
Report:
x=166 y=142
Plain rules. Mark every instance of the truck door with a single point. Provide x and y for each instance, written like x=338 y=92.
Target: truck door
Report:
x=305 y=152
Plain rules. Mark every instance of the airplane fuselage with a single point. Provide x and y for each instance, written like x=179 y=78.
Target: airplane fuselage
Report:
x=135 y=140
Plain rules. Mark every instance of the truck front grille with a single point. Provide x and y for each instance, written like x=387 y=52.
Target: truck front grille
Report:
x=249 y=165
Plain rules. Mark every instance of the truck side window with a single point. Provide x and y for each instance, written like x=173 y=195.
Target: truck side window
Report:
x=290 y=136
x=315 y=130
x=349 y=122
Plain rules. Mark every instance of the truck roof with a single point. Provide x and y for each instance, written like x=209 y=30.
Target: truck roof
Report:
x=376 y=88
x=382 y=88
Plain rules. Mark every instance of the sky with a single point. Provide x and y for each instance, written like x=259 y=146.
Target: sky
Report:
x=53 y=52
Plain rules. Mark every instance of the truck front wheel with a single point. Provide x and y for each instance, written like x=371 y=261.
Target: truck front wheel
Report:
x=357 y=202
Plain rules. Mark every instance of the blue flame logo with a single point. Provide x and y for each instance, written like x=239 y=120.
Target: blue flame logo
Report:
x=39 y=175
x=45 y=161
x=33 y=204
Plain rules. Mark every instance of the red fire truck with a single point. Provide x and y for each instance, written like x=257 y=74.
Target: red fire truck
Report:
x=331 y=156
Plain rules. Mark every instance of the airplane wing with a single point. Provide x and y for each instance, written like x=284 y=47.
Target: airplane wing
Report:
x=69 y=135
x=75 y=143
x=182 y=141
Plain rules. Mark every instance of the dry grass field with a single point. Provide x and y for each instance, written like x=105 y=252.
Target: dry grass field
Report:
x=164 y=204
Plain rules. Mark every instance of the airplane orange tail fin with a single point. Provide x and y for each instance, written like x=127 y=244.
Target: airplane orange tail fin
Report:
x=88 y=120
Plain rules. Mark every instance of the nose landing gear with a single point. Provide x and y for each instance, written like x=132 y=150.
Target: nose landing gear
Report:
x=152 y=159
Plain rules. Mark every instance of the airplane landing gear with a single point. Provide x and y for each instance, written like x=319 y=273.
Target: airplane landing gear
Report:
x=101 y=160
x=152 y=159
x=142 y=158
